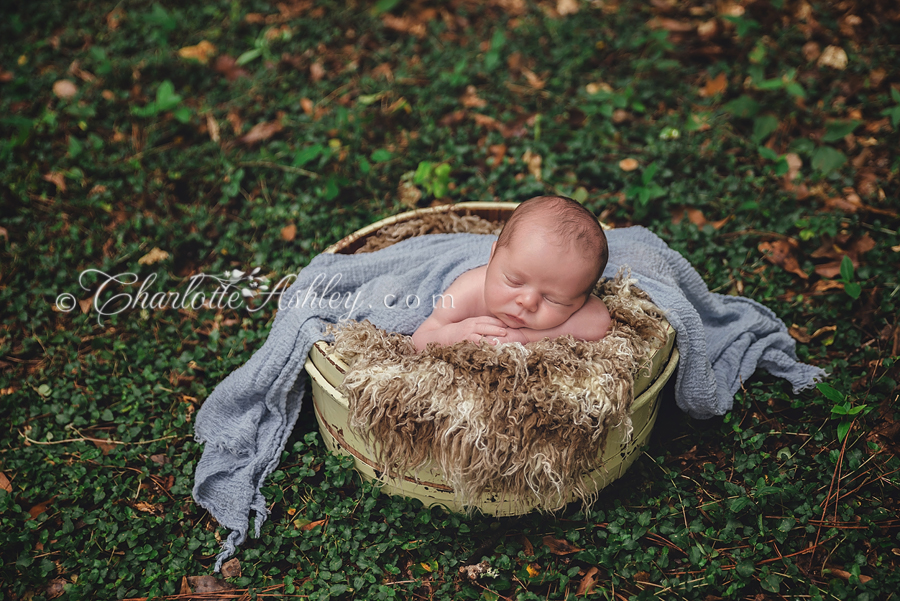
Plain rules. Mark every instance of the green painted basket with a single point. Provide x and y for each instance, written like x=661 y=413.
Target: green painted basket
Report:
x=332 y=410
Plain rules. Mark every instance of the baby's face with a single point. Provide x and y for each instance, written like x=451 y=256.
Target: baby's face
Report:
x=535 y=281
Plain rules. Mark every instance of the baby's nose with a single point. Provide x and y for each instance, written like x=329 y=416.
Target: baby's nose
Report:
x=528 y=300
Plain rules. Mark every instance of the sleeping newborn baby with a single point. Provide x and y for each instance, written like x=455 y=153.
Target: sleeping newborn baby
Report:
x=537 y=283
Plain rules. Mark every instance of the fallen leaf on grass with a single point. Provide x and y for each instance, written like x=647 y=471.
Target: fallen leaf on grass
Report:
x=470 y=99
x=228 y=67
x=628 y=164
x=533 y=80
x=715 y=86
x=567 y=7
x=261 y=132
x=55 y=588
x=780 y=253
x=533 y=160
x=151 y=508
x=823 y=286
x=5 y=76
x=288 y=232
x=85 y=304
x=845 y=575
x=5 y=483
x=533 y=570
x=799 y=334
x=231 y=568
x=105 y=447
x=559 y=546
x=206 y=584
x=65 y=89
x=834 y=57
x=154 y=256
x=588 y=582
x=56 y=178
x=40 y=508
x=312 y=525
x=201 y=53
x=316 y=71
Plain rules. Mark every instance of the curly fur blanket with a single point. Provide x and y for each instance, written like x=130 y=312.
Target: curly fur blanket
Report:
x=517 y=422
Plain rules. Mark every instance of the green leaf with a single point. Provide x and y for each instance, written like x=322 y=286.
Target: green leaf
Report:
x=830 y=393
x=795 y=89
x=745 y=568
x=826 y=159
x=847 y=269
x=381 y=155
x=770 y=84
x=744 y=107
x=763 y=126
x=768 y=153
x=166 y=98
x=182 y=114
x=738 y=504
x=836 y=130
x=305 y=155
x=649 y=172
x=895 y=94
x=248 y=56
x=383 y=6
x=852 y=289
x=842 y=430
x=423 y=172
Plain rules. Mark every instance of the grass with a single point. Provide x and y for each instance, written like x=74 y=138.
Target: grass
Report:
x=746 y=134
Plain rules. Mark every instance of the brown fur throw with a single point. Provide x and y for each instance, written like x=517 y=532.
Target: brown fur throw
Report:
x=519 y=422
x=440 y=223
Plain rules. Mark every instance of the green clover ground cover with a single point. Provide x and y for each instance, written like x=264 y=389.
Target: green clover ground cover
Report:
x=757 y=138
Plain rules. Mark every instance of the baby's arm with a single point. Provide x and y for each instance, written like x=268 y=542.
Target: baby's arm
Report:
x=590 y=323
x=455 y=316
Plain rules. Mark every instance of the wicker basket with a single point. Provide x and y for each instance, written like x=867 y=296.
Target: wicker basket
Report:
x=332 y=410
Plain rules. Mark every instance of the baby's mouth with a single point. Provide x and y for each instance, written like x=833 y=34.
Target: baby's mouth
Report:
x=518 y=323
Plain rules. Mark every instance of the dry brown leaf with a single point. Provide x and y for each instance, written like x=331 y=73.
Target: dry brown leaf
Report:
x=671 y=25
x=794 y=163
x=409 y=194
x=105 y=447
x=212 y=127
x=231 y=568
x=76 y=70
x=800 y=335
x=185 y=588
x=715 y=86
x=811 y=51
x=696 y=217
x=831 y=269
x=5 y=483
x=708 y=29
x=85 y=304
x=533 y=80
x=527 y=547
x=780 y=253
x=201 y=52
x=57 y=179
x=154 y=256
x=114 y=17
x=5 y=76
x=261 y=132
x=38 y=509
x=207 y=584
x=497 y=151
x=567 y=7
x=312 y=525
x=628 y=164
x=307 y=105
x=471 y=100
x=65 y=88
x=843 y=204
x=834 y=57
x=533 y=160
x=55 y=588
x=228 y=67
x=597 y=86
x=845 y=575
x=588 y=582
x=404 y=25
x=288 y=232
x=145 y=507
x=316 y=71
x=559 y=546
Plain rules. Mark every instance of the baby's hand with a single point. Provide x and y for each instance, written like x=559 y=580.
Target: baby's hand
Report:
x=479 y=328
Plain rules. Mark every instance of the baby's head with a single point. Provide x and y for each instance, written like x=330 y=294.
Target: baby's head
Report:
x=545 y=263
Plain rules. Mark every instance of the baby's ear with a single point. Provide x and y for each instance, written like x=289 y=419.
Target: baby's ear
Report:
x=493 y=248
